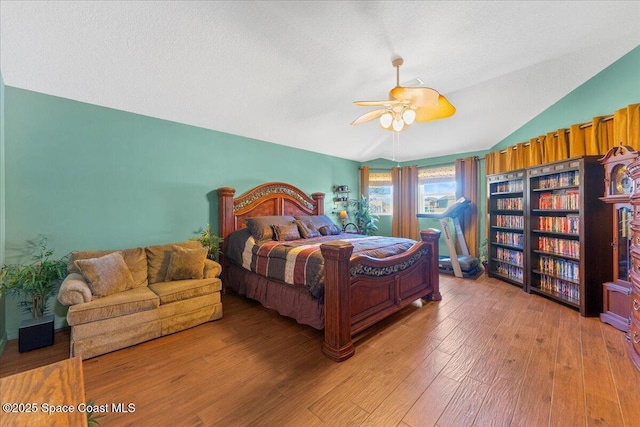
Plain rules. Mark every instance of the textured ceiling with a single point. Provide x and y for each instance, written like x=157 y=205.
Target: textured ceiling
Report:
x=287 y=72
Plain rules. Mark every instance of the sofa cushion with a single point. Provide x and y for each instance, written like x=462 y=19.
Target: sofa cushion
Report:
x=184 y=289
x=106 y=275
x=186 y=263
x=159 y=256
x=120 y=304
x=135 y=258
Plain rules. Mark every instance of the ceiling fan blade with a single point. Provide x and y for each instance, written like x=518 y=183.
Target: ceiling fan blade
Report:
x=440 y=111
x=416 y=96
x=369 y=116
x=388 y=102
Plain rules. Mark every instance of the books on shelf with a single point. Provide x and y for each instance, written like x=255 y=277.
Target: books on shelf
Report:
x=508 y=238
x=509 y=204
x=564 y=247
x=569 y=224
x=510 y=221
x=565 y=200
x=510 y=186
x=557 y=180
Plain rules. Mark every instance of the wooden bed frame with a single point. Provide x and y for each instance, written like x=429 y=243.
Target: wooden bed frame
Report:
x=358 y=291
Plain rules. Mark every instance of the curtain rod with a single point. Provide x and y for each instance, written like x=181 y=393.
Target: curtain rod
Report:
x=582 y=126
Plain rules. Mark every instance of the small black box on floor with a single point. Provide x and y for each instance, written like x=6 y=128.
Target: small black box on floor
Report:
x=35 y=333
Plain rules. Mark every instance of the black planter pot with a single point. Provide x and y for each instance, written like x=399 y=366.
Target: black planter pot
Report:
x=35 y=333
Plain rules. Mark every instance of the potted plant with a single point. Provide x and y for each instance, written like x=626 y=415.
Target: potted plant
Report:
x=484 y=255
x=34 y=282
x=365 y=220
x=210 y=241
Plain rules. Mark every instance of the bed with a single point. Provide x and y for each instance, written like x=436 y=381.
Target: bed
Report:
x=357 y=290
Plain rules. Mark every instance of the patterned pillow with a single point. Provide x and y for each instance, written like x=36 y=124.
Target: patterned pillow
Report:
x=317 y=220
x=307 y=229
x=329 y=230
x=286 y=231
x=261 y=226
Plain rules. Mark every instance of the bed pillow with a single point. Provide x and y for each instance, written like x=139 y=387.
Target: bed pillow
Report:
x=284 y=232
x=317 y=220
x=186 y=263
x=106 y=275
x=261 y=226
x=329 y=230
x=307 y=229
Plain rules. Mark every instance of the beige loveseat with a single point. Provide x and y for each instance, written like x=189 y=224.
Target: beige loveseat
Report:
x=120 y=298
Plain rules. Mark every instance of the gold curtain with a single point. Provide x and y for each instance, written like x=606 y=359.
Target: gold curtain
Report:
x=404 y=222
x=467 y=187
x=364 y=182
x=582 y=139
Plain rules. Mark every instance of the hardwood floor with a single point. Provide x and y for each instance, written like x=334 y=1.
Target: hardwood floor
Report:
x=488 y=354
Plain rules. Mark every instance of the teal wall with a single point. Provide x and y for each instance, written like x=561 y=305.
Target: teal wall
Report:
x=90 y=177
x=3 y=329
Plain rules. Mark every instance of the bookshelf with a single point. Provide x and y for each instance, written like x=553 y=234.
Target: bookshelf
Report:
x=568 y=233
x=506 y=233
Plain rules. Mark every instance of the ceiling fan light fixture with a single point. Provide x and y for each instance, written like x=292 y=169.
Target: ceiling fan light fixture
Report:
x=408 y=116
x=385 y=120
x=406 y=105
x=398 y=125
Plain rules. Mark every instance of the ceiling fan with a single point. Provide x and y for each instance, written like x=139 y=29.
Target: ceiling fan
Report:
x=406 y=105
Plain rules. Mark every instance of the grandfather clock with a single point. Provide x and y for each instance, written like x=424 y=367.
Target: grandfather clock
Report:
x=618 y=187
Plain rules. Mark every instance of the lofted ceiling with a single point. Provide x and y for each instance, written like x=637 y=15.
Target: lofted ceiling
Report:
x=287 y=72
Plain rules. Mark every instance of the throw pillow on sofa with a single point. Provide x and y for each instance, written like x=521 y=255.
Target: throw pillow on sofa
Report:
x=186 y=263
x=106 y=275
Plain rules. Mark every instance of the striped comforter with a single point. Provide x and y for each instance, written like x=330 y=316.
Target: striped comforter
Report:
x=300 y=262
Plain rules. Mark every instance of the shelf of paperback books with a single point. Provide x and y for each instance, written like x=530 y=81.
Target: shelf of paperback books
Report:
x=506 y=243
x=566 y=238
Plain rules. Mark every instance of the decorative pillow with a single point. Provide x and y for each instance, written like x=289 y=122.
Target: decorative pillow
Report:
x=261 y=226
x=286 y=232
x=317 y=220
x=186 y=263
x=329 y=230
x=106 y=275
x=306 y=228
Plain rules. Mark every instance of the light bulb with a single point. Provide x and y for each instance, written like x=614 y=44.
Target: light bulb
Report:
x=398 y=125
x=409 y=116
x=385 y=120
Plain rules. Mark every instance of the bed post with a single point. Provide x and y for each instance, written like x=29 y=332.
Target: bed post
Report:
x=337 y=301
x=431 y=236
x=319 y=198
x=226 y=218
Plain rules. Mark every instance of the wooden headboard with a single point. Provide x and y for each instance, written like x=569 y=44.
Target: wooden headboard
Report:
x=272 y=198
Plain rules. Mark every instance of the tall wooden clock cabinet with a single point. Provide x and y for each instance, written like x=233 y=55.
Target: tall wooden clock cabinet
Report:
x=618 y=187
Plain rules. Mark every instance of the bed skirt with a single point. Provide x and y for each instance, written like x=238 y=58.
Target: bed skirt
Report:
x=286 y=299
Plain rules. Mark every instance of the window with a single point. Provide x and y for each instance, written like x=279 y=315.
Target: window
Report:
x=380 y=193
x=436 y=189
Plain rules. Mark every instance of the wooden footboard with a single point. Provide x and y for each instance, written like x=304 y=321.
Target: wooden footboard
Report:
x=361 y=291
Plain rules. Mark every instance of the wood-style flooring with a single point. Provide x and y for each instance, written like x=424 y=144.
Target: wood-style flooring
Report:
x=488 y=354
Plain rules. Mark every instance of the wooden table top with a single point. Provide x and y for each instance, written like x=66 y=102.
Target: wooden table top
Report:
x=47 y=396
